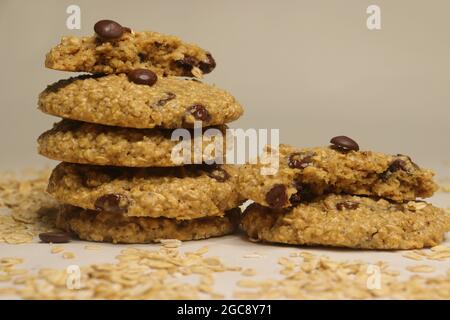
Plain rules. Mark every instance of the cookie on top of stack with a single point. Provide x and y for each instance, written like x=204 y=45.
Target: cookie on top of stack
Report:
x=118 y=180
x=340 y=196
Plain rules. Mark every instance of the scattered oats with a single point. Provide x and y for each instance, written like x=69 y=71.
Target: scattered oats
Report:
x=57 y=249
x=93 y=247
x=249 y=272
x=413 y=255
x=439 y=255
x=9 y=262
x=421 y=269
x=5 y=277
x=440 y=248
x=28 y=208
x=137 y=274
x=249 y=283
x=68 y=255
x=322 y=278
x=253 y=255
x=170 y=243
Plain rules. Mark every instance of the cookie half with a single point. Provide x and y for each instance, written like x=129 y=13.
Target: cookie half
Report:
x=86 y=143
x=110 y=227
x=116 y=101
x=306 y=173
x=186 y=192
x=163 y=54
x=349 y=221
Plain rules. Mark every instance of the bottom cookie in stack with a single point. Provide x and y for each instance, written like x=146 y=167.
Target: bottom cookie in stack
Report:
x=141 y=205
x=349 y=221
x=109 y=227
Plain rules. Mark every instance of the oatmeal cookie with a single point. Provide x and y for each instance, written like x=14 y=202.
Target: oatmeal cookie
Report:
x=86 y=143
x=350 y=221
x=110 y=227
x=306 y=173
x=181 y=192
x=115 y=100
x=127 y=50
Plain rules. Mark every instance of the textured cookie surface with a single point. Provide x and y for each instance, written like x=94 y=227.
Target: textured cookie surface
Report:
x=116 y=101
x=109 y=227
x=80 y=142
x=305 y=173
x=163 y=54
x=182 y=192
x=349 y=221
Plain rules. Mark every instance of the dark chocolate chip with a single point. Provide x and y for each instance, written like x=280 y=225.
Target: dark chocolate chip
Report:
x=143 y=57
x=187 y=63
x=54 y=237
x=208 y=65
x=108 y=29
x=219 y=174
x=142 y=76
x=347 y=205
x=396 y=165
x=277 y=197
x=126 y=30
x=162 y=102
x=114 y=203
x=344 y=143
x=304 y=193
x=199 y=112
x=299 y=160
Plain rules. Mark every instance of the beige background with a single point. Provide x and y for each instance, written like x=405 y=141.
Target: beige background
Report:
x=310 y=68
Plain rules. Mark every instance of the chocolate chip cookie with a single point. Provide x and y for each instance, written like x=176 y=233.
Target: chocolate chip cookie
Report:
x=181 y=192
x=118 y=101
x=111 y=227
x=349 y=221
x=118 y=49
x=86 y=143
x=306 y=173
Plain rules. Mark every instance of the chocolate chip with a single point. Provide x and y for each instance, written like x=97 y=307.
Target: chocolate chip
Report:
x=277 y=196
x=299 y=160
x=113 y=202
x=199 y=112
x=208 y=65
x=162 y=102
x=396 y=165
x=344 y=143
x=347 y=205
x=108 y=29
x=304 y=193
x=54 y=237
x=126 y=30
x=219 y=174
x=142 y=76
x=186 y=63
x=143 y=57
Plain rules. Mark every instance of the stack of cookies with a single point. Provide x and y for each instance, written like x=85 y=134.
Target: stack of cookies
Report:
x=340 y=196
x=120 y=179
